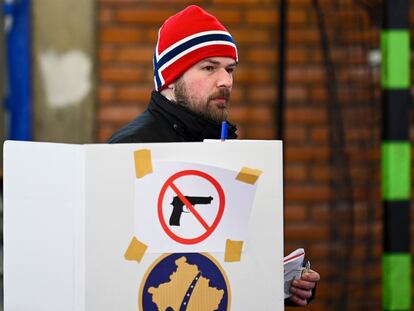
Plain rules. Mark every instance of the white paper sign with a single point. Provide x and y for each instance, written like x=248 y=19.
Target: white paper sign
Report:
x=71 y=211
x=218 y=207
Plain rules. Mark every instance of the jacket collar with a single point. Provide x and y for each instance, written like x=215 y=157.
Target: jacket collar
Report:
x=189 y=124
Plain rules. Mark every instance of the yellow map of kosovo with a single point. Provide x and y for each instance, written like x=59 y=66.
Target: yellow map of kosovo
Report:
x=187 y=289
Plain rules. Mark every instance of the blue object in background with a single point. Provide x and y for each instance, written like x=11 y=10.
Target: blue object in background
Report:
x=18 y=98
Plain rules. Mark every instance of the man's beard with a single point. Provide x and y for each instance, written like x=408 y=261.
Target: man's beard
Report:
x=209 y=110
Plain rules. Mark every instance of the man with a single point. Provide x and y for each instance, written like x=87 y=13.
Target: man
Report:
x=194 y=60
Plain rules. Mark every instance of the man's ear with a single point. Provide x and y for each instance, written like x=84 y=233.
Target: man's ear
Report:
x=168 y=92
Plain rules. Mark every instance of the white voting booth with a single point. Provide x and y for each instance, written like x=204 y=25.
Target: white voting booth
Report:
x=172 y=226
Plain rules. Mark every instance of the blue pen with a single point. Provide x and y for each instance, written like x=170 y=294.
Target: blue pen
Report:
x=224 y=128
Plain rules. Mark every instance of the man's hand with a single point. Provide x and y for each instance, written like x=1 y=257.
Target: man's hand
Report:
x=302 y=289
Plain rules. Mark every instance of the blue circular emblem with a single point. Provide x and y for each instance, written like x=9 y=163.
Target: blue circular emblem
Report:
x=181 y=281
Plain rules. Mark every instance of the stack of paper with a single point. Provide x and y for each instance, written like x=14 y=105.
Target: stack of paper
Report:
x=293 y=266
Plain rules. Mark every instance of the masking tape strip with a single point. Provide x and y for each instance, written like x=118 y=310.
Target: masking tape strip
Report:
x=143 y=162
x=233 y=251
x=135 y=251
x=249 y=175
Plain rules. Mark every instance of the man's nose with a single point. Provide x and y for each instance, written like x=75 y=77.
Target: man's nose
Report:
x=224 y=78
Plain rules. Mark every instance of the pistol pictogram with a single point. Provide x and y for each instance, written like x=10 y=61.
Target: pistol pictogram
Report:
x=178 y=207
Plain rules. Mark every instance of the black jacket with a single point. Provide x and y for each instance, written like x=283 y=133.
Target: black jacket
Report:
x=165 y=121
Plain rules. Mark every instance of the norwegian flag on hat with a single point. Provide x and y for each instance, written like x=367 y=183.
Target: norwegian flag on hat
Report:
x=186 y=38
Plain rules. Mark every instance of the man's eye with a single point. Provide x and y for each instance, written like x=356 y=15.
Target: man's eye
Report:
x=209 y=68
x=230 y=70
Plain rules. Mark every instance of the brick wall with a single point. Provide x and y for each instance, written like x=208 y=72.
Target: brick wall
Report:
x=332 y=208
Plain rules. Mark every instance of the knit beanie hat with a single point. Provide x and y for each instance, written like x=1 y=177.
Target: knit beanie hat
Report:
x=186 y=38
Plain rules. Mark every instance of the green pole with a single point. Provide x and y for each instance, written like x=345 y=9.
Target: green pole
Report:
x=396 y=156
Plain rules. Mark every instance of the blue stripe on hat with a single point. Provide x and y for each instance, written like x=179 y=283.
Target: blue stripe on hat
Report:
x=185 y=46
x=156 y=74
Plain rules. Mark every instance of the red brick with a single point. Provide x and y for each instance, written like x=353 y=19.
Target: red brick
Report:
x=316 y=56
x=265 y=94
x=306 y=232
x=295 y=173
x=318 y=94
x=320 y=135
x=236 y=96
x=303 y=153
x=301 y=36
x=320 y=213
x=295 y=3
x=105 y=94
x=295 y=134
x=306 y=115
x=143 y=15
x=134 y=94
x=320 y=173
x=105 y=16
x=122 y=3
x=297 y=56
x=356 y=56
x=183 y=2
x=251 y=36
x=294 y=213
x=296 y=93
x=104 y=132
x=360 y=251
x=118 y=114
x=354 y=154
x=262 y=55
x=352 y=74
x=318 y=251
x=243 y=113
x=242 y=2
x=363 y=212
x=119 y=2
x=267 y=16
x=253 y=75
x=259 y=132
x=346 y=17
x=363 y=173
x=226 y=16
x=297 y=16
x=120 y=35
x=361 y=133
x=120 y=74
x=138 y=54
x=149 y=75
x=316 y=74
x=151 y=35
x=105 y=54
x=308 y=74
x=355 y=36
x=310 y=194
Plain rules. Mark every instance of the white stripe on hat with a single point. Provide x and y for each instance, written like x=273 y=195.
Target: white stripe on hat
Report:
x=195 y=47
x=198 y=34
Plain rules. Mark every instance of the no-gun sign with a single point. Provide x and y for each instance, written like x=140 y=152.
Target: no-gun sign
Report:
x=189 y=207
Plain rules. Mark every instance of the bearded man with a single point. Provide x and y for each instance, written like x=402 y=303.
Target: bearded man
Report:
x=194 y=60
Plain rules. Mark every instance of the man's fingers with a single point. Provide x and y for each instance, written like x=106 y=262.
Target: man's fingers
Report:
x=303 y=284
x=311 y=276
x=301 y=293
x=298 y=301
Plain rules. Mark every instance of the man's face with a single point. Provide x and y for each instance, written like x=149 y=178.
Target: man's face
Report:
x=205 y=88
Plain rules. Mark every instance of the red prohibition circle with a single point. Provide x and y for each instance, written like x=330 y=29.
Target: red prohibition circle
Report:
x=216 y=221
